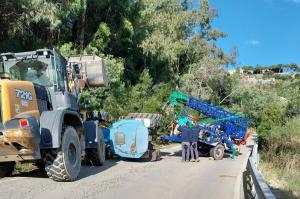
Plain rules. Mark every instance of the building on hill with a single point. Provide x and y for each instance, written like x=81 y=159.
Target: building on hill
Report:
x=250 y=80
x=236 y=71
x=263 y=70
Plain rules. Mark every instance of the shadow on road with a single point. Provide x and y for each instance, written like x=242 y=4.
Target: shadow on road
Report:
x=201 y=154
x=86 y=170
x=35 y=173
x=139 y=160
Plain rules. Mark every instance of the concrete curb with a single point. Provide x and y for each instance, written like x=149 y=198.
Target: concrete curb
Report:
x=238 y=187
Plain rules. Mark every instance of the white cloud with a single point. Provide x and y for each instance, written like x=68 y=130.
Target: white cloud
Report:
x=253 y=42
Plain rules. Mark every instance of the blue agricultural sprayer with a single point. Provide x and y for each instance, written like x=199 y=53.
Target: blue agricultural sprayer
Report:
x=218 y=134
x=131 y=136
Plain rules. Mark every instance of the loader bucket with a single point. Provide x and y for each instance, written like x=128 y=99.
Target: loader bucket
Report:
x=92 y=69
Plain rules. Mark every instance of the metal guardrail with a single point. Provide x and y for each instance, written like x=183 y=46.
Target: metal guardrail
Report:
x=254 y=183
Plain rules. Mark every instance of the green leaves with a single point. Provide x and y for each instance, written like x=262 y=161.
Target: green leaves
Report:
x=101 y=38
x=165 y=32
x=68 y=49
x=271 y=115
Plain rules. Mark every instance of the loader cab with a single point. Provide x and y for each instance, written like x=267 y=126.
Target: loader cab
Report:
x=46 y=69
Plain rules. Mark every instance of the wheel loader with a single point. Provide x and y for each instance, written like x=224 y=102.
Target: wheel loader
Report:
x=40 y=116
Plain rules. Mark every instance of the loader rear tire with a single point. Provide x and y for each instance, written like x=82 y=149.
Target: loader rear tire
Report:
x=6 y=169
x=217 y=152
x=64 y=164
x=97 y=156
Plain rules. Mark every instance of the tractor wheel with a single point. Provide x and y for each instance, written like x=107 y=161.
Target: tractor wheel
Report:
x=108 y=152
x=217 y=152
x=6 y=168
x=204 y=151
x=64 y=164
x=97 y=156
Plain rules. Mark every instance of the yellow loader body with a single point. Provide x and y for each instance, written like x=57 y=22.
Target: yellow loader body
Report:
x=17 y=142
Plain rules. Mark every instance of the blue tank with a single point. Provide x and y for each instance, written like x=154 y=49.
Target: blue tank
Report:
x=130 y=138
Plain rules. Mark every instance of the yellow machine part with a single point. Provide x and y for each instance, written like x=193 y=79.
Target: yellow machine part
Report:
x=18 y=97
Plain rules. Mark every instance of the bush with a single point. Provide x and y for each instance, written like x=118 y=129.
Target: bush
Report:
x=283 y=76
x=268 y=75
x=284 y=145
x=282 y=155
x=272 y=115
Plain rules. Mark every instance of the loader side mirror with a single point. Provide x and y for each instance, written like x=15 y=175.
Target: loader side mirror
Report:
x=76 y=71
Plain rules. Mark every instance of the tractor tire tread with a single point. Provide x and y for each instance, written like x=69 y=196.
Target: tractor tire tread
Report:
x=57 y=171
x=55 y=165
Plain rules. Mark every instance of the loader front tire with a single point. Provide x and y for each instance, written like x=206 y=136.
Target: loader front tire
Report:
x=64 y=163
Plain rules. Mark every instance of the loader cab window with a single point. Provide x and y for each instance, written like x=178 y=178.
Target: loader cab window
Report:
x=35 y=71
x=60 y=70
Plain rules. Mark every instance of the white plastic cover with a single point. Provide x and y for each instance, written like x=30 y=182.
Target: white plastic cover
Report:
x=146 y=121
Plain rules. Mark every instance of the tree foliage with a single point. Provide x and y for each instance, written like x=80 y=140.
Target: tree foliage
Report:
x=150 y=46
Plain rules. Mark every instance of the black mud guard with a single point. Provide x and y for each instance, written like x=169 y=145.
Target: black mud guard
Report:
x=51 y=124
x=92 y=129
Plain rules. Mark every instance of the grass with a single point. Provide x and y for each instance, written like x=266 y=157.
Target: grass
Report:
x=285 y=184
x=280 y=159
x=24 y=168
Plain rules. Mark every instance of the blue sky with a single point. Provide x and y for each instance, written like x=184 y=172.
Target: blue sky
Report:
x=265 y=32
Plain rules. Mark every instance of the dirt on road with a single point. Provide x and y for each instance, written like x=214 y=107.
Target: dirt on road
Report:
x=167 y=178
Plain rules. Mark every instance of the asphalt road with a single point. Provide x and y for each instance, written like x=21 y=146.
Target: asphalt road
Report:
x=167 y=178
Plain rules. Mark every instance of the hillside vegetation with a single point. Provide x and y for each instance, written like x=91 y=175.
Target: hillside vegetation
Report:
x=274 y=108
